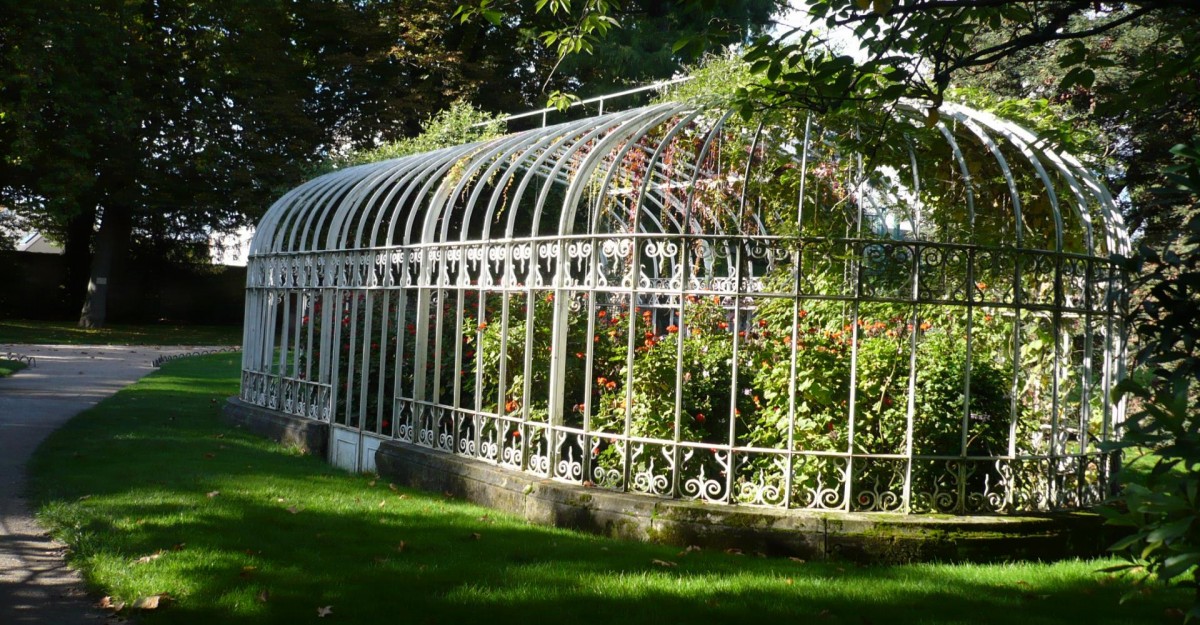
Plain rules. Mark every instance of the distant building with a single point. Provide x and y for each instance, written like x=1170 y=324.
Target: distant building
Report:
x=35 y=243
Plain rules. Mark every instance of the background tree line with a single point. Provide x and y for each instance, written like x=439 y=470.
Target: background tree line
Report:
x=130 y=129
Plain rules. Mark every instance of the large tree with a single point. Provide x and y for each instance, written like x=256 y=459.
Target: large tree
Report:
x=161 y=120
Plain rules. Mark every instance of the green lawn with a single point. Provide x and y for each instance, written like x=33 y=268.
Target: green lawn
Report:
x=9 y=367
x=156 y=495
x=66 y=333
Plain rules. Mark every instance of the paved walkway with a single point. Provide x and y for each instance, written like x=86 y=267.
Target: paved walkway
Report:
x=36 y=587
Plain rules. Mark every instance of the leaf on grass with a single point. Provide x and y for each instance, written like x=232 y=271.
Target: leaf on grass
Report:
x=393 y=488
x=789 y=581
x=824 y=614
x=280 y=500
x=178 y=546
x=293 y=509
x=665 y=563
x=401 y=546
x=324 y=611
x=263 y=595
x=371 y=483
x=209 y=456
x=382 y=503
x=213 y=493
x=150 y=558
x=476 y=535
x=107 y=603
x=733 y=551
x=152 y=602
x=797 y=560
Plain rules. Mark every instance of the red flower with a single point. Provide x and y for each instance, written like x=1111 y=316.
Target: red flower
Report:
x=601 y=314
x=699 y=417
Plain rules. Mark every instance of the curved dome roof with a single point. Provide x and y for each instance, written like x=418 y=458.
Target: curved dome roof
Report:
x=680 y=168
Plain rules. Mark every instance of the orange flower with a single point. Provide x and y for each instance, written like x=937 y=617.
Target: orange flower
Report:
x=482 y=325
x=672 y=328
x=723 y=325
x=925 y=325
x=601 y=314
x=982 y=286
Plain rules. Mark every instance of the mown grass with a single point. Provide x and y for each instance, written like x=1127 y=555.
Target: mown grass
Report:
x=239 y=530
x=9 y=367
x=66 y=333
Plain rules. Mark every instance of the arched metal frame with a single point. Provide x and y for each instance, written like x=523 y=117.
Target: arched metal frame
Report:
x=566 y=300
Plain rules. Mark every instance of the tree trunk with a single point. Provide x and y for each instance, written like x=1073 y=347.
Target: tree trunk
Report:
x=112 y=245
x=77 y=252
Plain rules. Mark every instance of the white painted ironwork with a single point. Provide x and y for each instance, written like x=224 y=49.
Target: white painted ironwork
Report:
x=672 y=301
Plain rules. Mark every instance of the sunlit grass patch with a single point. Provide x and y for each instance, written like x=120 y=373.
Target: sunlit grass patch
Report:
x=9 y=367
x=67 y=333
x=155 y=494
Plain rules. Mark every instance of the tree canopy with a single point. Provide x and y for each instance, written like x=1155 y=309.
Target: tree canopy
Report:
x=163 y=121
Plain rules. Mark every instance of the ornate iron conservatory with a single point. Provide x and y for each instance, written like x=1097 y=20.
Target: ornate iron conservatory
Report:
x=677 y=302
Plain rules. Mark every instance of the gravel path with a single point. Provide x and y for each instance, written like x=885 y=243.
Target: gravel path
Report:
x=36 y=586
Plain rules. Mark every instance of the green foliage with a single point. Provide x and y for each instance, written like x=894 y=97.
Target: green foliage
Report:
x=1163 y=508
x=459 y=124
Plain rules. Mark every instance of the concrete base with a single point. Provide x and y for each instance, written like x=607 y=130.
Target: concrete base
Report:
x=878 y=538
x=311 y=437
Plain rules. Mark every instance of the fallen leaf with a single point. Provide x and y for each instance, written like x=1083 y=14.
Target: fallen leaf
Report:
x=371 y=483
x=218 y=435
x=214 y=493
x=733 y=551
x=824 y=614
x=797 y=560
x=263 y=595
x=293 y=509
x=1174 y=614
x=107 y=603
x=178 y=546
x=209 y=456
x=393 y=487
x=324 y=611
x=789 y=581
x=84 y=498
x=381 y=503
x=402 y=496
x=280 y=500
x=665 y=563
x=150 y=558
x=401 y=546
x=153 y=602
x=476 y=535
